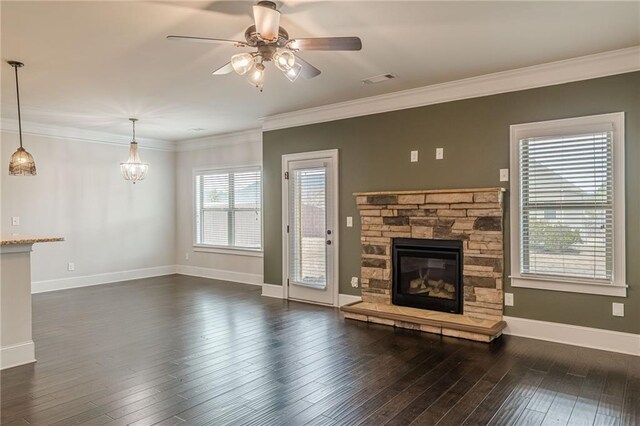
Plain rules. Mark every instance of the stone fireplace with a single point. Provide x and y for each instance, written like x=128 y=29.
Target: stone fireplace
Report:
x=433 y=230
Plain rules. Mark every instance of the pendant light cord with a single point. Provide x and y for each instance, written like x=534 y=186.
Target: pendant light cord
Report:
x=18 y=98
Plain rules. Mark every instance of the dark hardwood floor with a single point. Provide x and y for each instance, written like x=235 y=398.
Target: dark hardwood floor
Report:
x=183 y=350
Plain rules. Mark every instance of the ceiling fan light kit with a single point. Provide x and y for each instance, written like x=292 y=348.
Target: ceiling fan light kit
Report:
x=272 y=43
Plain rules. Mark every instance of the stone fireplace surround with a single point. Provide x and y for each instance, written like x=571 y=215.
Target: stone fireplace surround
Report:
x=473 y=216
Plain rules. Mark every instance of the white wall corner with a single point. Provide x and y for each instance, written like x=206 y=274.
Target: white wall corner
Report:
x=560 y=72
x=595 y=338
x=98 y=279
x=272 y=290
x=345 y=299
x=18 y=354
x=219 y=274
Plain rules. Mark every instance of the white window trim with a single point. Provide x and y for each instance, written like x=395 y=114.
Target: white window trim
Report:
x=206 y=248
x=618 y=287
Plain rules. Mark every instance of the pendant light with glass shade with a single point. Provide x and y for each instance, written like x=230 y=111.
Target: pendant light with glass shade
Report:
x=21 y=162
x=134 y=170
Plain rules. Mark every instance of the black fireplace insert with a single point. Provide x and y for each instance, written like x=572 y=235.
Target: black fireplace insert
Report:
x=428 y=274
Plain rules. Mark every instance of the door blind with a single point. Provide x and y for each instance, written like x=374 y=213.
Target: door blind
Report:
x=566 y=205
x=308 y=226
x=228 y=209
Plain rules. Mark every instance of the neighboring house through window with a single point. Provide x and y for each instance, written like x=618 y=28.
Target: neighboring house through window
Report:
x=567 y=209
x=228 y=208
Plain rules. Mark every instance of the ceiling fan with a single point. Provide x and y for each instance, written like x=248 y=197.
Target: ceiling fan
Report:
x=272 y=43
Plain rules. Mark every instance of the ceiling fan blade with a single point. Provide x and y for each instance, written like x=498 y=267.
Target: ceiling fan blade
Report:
x=267 y=22
x=325 y=43
x=308 y=70
x=206 y=40
x=225 y=69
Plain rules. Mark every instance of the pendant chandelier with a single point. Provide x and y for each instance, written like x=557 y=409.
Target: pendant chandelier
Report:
x=21 y=162
x=134 y=170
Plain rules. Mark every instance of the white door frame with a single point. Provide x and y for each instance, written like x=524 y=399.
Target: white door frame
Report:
x=331 y=154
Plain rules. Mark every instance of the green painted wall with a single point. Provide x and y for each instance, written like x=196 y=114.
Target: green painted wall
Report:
x=374 y=155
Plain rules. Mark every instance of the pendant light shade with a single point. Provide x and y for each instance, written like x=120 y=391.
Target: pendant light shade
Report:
x=133 y=169
x=21 y=162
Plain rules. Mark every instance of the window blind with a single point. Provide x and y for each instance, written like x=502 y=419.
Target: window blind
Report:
x=566 y=206
x=228 y=208
x=308 y=225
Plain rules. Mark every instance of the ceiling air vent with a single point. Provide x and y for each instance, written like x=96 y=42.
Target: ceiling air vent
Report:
x=379 y=78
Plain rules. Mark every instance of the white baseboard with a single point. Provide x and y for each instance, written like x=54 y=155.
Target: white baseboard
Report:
x=110 y=277
x=18 y=354
x=607 y=340
x=345 y=299
x=272 y=290
x=219 y=274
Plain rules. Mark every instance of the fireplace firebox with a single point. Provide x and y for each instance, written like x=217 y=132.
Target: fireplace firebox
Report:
x=427 y=274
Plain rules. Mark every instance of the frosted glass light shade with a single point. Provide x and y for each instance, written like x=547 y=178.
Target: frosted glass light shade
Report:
x=294 y=72
x=256 y=76
x=284 y=60
x=242 y=62
x=22 y=163
x=134 y=170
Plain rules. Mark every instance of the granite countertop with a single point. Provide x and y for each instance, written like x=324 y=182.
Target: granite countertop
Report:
x=27 y=239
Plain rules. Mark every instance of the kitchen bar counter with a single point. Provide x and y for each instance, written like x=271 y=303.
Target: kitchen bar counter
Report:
x=16 y=341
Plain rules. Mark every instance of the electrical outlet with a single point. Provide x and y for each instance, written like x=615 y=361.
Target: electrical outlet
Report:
x=414 y=156
x=508 y=299
x=71 y=266
x=349 y=222
x=15 y=221
x=354 y=282
x=439 y=153
x=504 y=175
x=186 y=256
x=617 y=309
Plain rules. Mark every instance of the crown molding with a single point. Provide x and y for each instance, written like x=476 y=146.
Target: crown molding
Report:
x=553 y=73
x=69 y=133
x=245 y=136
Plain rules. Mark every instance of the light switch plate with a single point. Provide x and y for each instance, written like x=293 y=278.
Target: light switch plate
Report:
x=15 y=220
x=71 y=266
x=617 y=309
x=439 y=153
x=186 y=256
x=354 y=282
x=508 y=299
x=414 y=156
x=349 y=222
x=504 y=175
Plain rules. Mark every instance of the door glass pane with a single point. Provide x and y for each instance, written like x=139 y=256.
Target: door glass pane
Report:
x=308 y=226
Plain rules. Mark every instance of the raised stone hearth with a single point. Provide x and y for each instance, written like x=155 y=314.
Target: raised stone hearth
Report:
x=472 y=216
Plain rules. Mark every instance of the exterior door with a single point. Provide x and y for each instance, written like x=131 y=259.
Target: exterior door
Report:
x=310 y=218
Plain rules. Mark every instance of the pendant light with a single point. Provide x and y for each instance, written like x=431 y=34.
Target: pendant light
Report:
x=21 y=163
x=134 y=170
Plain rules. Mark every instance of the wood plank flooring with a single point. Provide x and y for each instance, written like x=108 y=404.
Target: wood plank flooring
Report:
x=182 y=350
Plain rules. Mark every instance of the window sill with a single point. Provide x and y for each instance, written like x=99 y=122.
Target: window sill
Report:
x=572 y=287
x=225 y=250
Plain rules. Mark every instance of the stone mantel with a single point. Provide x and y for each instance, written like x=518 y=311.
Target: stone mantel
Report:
x=474 y=216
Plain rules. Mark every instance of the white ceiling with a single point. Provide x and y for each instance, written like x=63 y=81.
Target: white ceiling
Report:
x=91 y=65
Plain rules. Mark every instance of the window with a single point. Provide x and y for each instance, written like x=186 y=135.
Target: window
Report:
x=567 y=205
x=228 y=208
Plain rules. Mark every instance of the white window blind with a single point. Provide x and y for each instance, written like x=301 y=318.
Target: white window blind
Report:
x=566 y=206
x=228 y=208
x=308 y=217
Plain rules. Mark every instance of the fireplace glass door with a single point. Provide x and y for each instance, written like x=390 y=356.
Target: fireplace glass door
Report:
x=428 y=274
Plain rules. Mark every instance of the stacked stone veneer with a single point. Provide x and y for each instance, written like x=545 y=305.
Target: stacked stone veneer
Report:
x=474 y=216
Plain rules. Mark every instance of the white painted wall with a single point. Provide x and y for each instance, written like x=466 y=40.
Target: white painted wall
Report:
x=110 y=225
x=240 y=149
